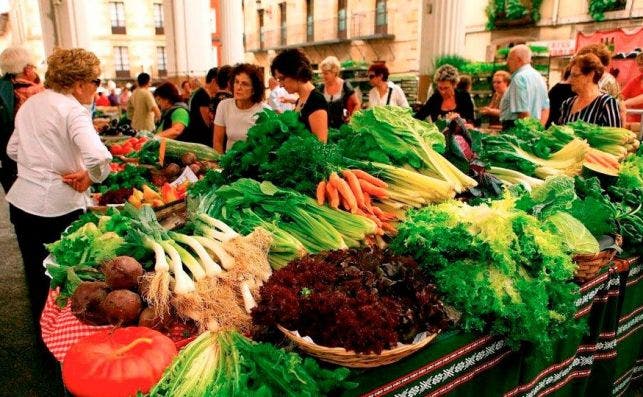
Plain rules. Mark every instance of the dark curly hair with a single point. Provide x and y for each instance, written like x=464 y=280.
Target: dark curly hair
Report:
x=256 y=78
x=292 y=63
x=589 y=63
x=168 y=91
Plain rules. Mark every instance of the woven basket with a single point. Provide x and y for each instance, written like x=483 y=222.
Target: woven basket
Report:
x=340 y=356
x=589 y=265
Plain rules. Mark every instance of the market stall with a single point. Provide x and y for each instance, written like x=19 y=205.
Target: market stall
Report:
x=420 y=261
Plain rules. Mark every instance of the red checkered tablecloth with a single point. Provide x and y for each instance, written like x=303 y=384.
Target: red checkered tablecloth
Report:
x=61 y=329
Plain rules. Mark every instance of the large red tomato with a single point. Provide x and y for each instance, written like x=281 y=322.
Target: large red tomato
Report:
x=118 y=362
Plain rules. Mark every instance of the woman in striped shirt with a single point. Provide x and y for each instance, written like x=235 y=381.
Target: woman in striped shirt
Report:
x=589 y=104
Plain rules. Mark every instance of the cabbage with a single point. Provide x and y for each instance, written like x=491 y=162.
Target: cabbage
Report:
x=574 y=234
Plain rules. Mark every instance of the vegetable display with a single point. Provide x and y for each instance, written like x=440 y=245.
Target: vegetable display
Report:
x=498 y=266
x=117 y=363
x=366 y=300
x=229 y=364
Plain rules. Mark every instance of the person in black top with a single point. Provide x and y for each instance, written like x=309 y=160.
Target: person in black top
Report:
x=200 y=128
x=340 y=95
x=293 y=71
x=557 y=95
x=447 y=99
x=590 y=104
x=224 y=85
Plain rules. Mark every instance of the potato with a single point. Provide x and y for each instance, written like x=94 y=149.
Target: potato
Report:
x=148 y=319
x=122 y=307
x=188 y=158
x=122 y=272
x=172 y=170
x=86 y=302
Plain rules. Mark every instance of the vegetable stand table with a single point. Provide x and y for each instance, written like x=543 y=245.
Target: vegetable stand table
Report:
x=606 y=362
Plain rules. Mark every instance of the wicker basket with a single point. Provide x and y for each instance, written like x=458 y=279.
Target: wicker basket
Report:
x=589 y=265
x=340 y=356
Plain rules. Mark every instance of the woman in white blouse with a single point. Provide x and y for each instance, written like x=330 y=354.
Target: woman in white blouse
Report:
x=59 y=155
x=384 y=92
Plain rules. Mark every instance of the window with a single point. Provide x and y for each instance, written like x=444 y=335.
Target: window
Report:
x=283 y=38
x=341 y=19
x=310 y=25
x=262 y=33
x=158 y=19
x=117 y=17
x=121 y=62
x=161 y=61
x=380 y=16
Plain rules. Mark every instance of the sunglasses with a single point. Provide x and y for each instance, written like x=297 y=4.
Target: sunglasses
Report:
x=372 y=75
x=96 y=82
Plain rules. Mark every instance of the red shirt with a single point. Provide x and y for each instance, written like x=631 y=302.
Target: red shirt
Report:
x=102 y=100
x=632 y=89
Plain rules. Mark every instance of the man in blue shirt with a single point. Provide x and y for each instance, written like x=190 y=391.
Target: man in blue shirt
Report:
x=527 y=93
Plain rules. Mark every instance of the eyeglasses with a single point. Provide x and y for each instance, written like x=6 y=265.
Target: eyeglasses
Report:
x=96 y=82
x=372 y=75
x=575 y=75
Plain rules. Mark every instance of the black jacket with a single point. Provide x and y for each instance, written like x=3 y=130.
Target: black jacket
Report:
x=463 y=106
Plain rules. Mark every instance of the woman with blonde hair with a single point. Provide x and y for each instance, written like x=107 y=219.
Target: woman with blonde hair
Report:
x=59 y=155
x=340 y=95
x=500 y=82
x=19 y=82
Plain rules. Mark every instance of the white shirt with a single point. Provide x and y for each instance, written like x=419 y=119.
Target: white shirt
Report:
x=54 y=136
x=397 y=96
x=275 y=103
x=236 y=121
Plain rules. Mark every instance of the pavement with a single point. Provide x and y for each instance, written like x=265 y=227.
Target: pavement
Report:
x=25 y=370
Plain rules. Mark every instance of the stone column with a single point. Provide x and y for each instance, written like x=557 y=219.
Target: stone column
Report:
x=187 y=31
x=64 y=24
x=441 y=32
x=231 y=32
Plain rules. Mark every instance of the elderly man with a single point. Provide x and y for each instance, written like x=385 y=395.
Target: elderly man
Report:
x=527 y=93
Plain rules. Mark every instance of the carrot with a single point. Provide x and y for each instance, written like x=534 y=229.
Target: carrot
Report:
x=368 y=202
x=162 y=151
x=321 y=193
x=345 y=204
x=373 y=190
x=369 y=178
x=385 y=216
x=353 y=183
x=333 y=196
x=344 y=190
x=389 y=228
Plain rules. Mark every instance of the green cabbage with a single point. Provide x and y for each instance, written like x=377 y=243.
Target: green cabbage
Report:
x=574 y=234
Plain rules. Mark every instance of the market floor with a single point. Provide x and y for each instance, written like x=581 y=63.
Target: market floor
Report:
x=23 y=370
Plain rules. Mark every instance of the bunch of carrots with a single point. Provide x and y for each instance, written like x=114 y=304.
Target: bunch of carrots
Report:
x=354 y=191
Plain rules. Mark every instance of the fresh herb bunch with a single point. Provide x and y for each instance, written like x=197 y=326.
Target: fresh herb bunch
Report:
x=131 y=177
x=365 y=300
x=497 y=265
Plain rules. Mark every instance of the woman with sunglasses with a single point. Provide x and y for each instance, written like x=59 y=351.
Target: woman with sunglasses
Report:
x=59 y=155
x=293 y=71
x=384 y=92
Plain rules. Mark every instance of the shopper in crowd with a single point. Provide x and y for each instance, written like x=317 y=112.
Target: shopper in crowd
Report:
x=384 y=92
x=175 y=117
x=527 y=93
x=590 y=104
x=123 y=98
x=607 y=83
x=294 y=72
x=558 y=94
x=279 y=99
x=237 y=114
x=101 y=99
x=201 y=118
x=340 y=95
x=633 y=95
x=19 y=82
x=141 y=108
x=447 y=100
x=59 y=156
x=500 y=82
x=224 y=85
x=186 y=91
x=113 y=98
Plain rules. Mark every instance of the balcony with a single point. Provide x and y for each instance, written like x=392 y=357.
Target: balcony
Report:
x=358 y=26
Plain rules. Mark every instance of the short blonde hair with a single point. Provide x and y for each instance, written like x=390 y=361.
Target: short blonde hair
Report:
x=330 y=64
x=13 y=60
x=506 y=77
x=447 y=73
x=65 y=67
